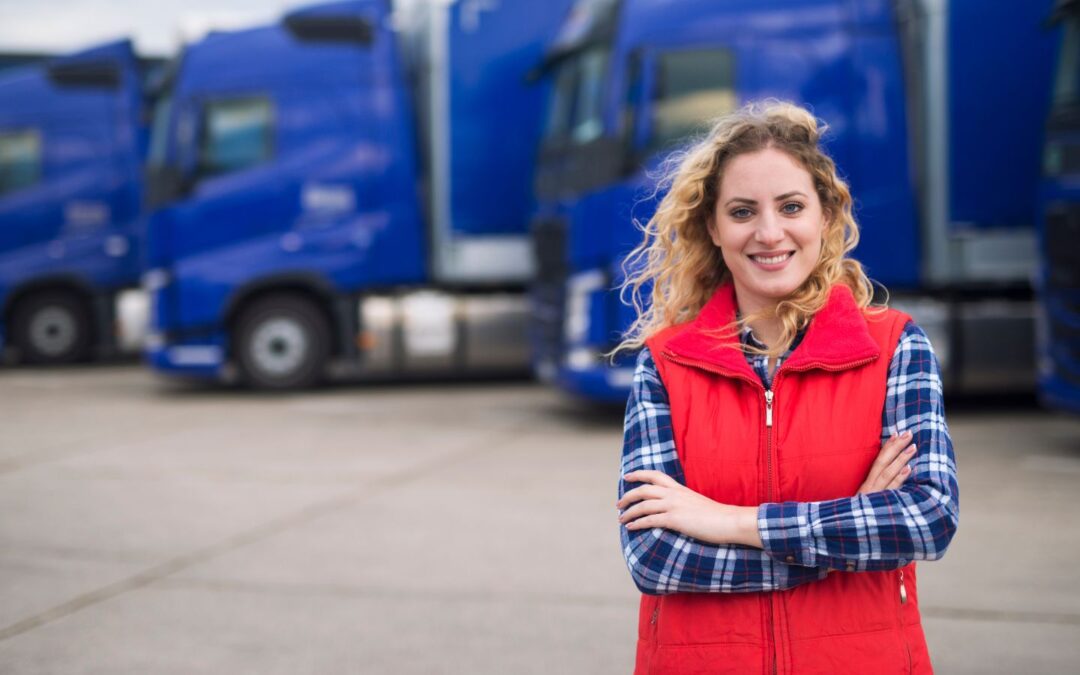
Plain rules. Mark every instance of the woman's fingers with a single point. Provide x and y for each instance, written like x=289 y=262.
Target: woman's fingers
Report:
x=645 y=508
x=898 y=482
x=638 y=494
x=896 y=466
x=651 y=476
x=647 y=522
x=889 y=451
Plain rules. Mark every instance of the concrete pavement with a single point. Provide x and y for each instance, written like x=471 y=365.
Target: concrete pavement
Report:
x=147 y=527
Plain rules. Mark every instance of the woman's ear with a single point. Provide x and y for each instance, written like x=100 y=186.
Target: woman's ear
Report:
x=712 y=224
x=826 y=219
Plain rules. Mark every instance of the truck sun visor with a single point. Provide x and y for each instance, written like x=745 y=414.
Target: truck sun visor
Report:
x=98 y=74
x=324 y=28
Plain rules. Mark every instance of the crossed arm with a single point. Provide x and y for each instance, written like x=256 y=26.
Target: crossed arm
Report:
x=675 y=540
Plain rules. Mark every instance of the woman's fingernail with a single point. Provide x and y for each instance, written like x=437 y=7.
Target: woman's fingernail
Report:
x=906 y=434
x=909 y=449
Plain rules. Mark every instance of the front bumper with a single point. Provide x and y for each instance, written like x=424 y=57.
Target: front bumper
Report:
x=598 y=382
x=204 y=359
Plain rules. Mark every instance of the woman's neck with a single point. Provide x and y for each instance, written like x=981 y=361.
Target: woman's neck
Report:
x=767 y=331
x=766 y=325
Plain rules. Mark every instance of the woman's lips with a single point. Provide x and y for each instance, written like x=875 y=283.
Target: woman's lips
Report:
x=772 y=262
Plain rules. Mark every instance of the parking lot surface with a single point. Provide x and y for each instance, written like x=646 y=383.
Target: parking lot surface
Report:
x=149 y=527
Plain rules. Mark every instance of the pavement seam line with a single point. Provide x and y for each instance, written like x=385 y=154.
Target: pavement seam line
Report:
x=266 y=530
x=337 y=590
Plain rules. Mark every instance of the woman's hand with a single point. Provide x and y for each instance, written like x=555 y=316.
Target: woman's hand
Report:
x=890 y=469
x=664 y=502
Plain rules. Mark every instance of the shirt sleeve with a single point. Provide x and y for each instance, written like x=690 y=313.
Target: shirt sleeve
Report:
x=888 y=529
x=664 y=561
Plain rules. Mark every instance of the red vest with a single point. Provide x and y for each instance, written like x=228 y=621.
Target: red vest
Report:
x=825 y=433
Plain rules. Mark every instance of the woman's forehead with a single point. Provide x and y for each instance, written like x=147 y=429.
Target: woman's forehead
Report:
x=769 y=171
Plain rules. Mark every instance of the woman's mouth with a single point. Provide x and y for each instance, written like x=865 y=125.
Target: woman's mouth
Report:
x=772 y=261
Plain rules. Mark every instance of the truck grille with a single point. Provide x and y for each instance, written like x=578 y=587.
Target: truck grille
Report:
x=549 y=289
x=1063 y=288
x=1063 y=248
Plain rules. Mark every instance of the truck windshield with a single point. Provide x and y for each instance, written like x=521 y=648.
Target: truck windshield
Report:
x=575 y=110
x=160 y=130
x=20 y=160
x=1067 y=81
x=693 y=86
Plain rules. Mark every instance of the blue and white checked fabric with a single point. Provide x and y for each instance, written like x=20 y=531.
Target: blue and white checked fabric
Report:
x=878 y=531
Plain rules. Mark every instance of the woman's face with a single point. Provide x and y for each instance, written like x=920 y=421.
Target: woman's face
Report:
x=768 y=226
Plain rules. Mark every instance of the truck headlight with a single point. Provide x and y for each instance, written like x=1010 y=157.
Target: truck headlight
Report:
x=579 y=292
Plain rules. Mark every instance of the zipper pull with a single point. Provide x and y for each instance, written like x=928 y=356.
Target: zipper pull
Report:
x=903 y=589
x=768 y=407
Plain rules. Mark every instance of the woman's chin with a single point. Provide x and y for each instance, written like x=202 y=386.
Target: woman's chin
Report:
x=776 y=290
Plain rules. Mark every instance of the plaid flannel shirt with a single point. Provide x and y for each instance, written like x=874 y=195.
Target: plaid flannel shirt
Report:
x=878 y=531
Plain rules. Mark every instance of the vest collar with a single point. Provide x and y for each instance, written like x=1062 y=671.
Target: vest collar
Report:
x=837 y=337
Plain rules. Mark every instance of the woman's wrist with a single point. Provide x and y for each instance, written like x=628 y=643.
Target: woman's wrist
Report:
x=746 y=519
x=736 y=525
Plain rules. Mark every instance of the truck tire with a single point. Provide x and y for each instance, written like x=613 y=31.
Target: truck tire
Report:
x=51 y=327
x=282 y=342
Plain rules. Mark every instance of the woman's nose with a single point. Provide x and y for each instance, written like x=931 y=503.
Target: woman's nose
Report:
x=768 y=231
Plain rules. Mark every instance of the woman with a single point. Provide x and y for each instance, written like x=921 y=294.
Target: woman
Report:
x=786 y=457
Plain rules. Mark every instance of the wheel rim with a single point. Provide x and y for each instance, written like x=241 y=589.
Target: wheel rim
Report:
x=279 y=346
x=53 y=331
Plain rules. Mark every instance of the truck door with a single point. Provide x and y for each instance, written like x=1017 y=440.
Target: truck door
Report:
x=226 y=147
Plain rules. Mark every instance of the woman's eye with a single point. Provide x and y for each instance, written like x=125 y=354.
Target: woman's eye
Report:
x=741 y=213
x=791 y=207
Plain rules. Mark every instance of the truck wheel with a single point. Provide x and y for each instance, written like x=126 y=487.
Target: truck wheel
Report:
x=282 y=342
x=51 y=328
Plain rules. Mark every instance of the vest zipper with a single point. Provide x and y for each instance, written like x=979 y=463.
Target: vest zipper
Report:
x=769 y=397
x=769 y=401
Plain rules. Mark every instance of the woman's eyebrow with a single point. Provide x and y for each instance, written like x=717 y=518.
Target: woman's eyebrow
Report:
x=753 y=202
x=742 y=200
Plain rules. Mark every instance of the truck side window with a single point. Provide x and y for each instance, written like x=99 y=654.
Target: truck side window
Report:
x=235 y=134
x=561 y=104
x=692 y=87
x=20 y=160
x=1067 y=80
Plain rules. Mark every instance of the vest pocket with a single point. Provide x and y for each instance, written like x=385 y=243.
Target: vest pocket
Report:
x=686 y=619
x=647 y=617
x=901 y=600
x=654 y=622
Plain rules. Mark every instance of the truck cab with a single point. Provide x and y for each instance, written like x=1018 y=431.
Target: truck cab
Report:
x=73 y=136
x=944 y=190
x=633 y=82
x=348 y=186
x=281 y=170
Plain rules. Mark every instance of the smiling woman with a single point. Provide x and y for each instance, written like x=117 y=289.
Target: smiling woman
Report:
x=785 y=456
x=768 y=230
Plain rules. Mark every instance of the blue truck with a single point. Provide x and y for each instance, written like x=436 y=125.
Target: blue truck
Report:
x=73 y=138
x=347 y=190
x=1059 y=226
x=935 y=109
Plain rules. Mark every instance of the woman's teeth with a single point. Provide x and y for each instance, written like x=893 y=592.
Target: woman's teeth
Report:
x=773 y=259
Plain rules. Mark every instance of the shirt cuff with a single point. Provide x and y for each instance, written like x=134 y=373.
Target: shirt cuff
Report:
x=785 y=532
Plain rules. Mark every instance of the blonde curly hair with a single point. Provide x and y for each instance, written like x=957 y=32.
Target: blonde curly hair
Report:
x=677 y=258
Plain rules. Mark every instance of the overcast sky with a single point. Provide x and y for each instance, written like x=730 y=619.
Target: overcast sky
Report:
x=157 y=26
